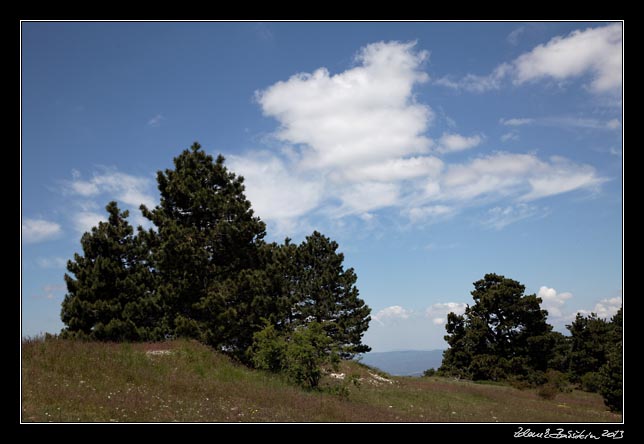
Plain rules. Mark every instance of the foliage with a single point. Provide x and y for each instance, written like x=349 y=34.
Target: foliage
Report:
x=596 y=356
x=110 y=290
x=206 y=238
x=589 y=346
x=429 y=372
x=503 y=334
x=323 y=291
x=268 y=350
x=611 y=373
x=309 y=349
x=302 y=354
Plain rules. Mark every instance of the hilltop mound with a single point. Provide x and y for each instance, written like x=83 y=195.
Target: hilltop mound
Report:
x=185 y=381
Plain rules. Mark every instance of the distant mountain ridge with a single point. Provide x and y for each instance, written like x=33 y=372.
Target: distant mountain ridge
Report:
x=405 y=362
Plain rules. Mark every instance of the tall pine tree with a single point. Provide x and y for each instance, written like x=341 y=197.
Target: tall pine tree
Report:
x=110 y=290
x=324 y=292
x=207 y=244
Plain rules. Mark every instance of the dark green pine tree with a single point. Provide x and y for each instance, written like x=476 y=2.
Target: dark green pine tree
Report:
x=207 y=245
x=504 y=334
x=596 y=356
x=110 y=289
x=323 y=291
x=611 y=374
x=589 y=347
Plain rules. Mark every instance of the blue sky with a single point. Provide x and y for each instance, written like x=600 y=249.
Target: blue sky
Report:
x=432 y=152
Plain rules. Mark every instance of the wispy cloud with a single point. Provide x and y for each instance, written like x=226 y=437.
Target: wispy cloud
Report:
x=500 y=217
x=390 y=314
x=126 y=188
x=51 y=292
x=593 y=52
x=507 y=137
x=51 y=262
x=516 y=121
x=39 y=230
x=513 y=37
x=569 y=122
x=87 y=198
x=156 y=120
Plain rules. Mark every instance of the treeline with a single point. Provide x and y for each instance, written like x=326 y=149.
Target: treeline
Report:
x=205 y=272
x=505 y=336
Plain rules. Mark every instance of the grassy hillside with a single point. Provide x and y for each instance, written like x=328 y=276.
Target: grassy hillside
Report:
x=68 y=381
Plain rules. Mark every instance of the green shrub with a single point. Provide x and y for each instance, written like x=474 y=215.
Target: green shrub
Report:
x=268 y=350
x=610 y=383
x=429 y=372
x=590 y=382
x=307 y=351
x=301 y=354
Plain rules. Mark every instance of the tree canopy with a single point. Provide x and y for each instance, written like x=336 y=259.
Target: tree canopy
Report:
x=204 y=271
x=504 y=333
x=110 y=289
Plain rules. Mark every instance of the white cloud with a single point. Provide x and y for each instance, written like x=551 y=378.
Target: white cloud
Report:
x=391 y=313
x=553 y=301
x=500 y=217
x=127 y=189
x=277 y=194
x=516 y=121
x=390 y=170
x=354 y=143
x=85 y=220
x=605 y=309
x=156 y=120
x=105 y=185
x=594 y=52
x=366 y=113
x=368 y=196
x=438 y=312
x=39 y=230
x=51 y=262
x=524 y=175
x=455 y=142
x=614 y=124
x=562 y=176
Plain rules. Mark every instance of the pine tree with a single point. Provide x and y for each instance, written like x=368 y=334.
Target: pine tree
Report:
x=589 y=347
x=206 y=237
x=110 y=294
x=611 y=374
x=504 y=334
x=324 y=292
x=596 y=356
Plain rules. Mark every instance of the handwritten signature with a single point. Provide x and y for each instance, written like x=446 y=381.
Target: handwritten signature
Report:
x=568 y=434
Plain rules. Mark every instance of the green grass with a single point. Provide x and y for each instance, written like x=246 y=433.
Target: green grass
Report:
x=72 y=381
